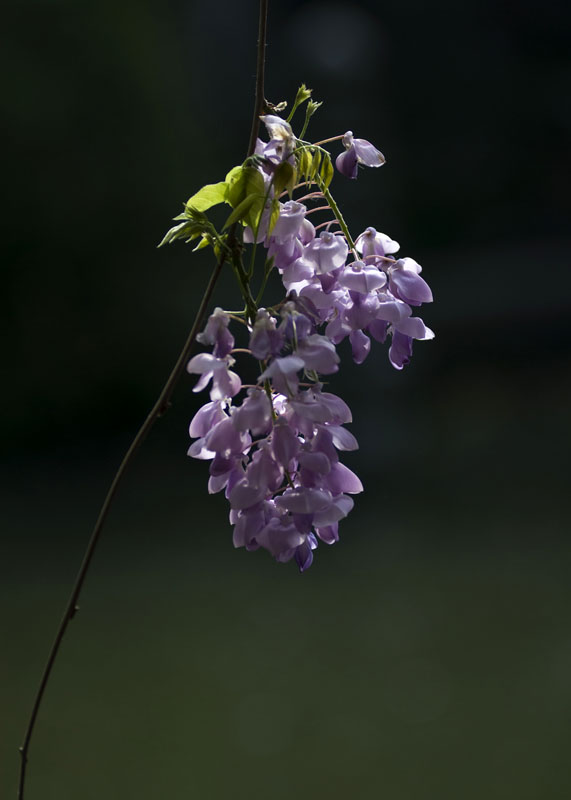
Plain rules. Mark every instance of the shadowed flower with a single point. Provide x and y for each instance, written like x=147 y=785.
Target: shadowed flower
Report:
x=225 y=383
x=357 y=151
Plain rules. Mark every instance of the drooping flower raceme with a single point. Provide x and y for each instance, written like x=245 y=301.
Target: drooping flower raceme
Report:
x=275 y=445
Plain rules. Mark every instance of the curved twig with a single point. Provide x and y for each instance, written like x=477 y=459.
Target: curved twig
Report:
x=157 y=411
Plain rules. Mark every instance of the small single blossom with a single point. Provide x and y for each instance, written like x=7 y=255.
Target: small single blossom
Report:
x=285 y=444
x=216 y=333
x=327 y=252
x=282 y=140
x=225 y=383
x=295 y=326
x=283 y=373
x=206 y=418
x=357 y=151
x=289 y=222
x=406 y=283
x=318 y=354
x=265 y=339
x=360 y=345
x=255 y=413
x=373 y=243
x=362 y=278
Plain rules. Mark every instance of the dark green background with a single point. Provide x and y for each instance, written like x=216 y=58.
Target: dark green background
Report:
x=428 y=654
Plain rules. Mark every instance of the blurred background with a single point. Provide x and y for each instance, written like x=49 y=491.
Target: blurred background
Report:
x=426 y=655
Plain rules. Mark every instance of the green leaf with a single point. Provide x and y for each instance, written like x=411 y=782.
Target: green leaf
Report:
x=248 y=181
x=241 y=211
x=204 y=242
x=231 y=180
x=274 y=215
x=233 y=174
x=315 y=162
x=303 y=94
x=210 y=195
x=304 y=163
x=197 y=217
x=237 y=188
x=186 y=230
x=327 y=171
x=284 y=177
x=312 y=107
x=254 y=215
x=254 y=182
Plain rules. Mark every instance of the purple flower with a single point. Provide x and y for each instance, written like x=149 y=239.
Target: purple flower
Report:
x=315 y=406
x=326 y=253
x=300 y=269
x=285 y=443
x=281 y=537
x=362 y=309
x=276 y=454
x=338 y=509
x=406 y=283
x=342 y=438
x=313 y=465
x=225 y=383
x=260 y=235
x=360 y=345
x=289 y=222
x=400 y=351
x=246 y=494
x=391 y=309
x=282 y=140
x=224 y=440
x=328 y=534
x=304 y=553
x=342 y=480
x=216 y=333
x=403 y=333
x=357 y=151
x=265 y=340
x=371 y=243
x=323 y=301
x=304 y=501
x=295 y=326
x=318 y=354
x=255 y=413
x=362 y=278
x=248 y=524
x=206 y=418
x=283 y=374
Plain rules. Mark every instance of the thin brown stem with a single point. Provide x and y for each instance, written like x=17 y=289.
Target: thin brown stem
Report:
x=327 y=224
x=310 y=196
x=375 y=257
x=157 y=411
x=332 y=139
x=319 y=208
x=260 y=102
x=298 y=186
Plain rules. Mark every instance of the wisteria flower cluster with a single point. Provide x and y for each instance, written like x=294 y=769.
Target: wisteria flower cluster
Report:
x=274 y=444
